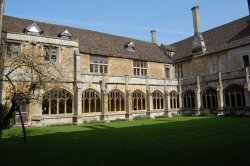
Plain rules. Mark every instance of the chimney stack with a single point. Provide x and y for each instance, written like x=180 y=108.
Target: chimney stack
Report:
x=153 y=36
x=198 y=45
x=196 y=19
x=248 y=6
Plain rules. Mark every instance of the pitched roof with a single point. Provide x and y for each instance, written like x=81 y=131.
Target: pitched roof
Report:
x=91 y=42
x=231 y=35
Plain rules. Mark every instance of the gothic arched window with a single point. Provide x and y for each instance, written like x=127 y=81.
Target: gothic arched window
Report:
x=189 y=99
x=174 y=100
x=91 y=101
x=57 y=101
x=209 y=98
x=234 y=96
x=138 y=100
x=116 y=101
x=158 y=100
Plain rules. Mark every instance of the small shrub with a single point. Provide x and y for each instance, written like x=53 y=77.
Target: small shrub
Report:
x=92 y=121
x=205 y=112
x=162 y=116
x=175 y=114
x=119 y=120
x=140 y=117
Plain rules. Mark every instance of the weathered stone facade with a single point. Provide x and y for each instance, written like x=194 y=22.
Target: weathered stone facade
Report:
x=109 y=77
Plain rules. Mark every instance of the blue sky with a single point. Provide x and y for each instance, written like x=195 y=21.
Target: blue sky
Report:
x=131 y=18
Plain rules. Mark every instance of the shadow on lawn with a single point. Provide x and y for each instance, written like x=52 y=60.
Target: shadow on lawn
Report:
x=213 y=141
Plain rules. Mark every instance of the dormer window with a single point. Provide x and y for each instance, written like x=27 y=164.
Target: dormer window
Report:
x=33 y=29
x=65 y=35
x=130 y=47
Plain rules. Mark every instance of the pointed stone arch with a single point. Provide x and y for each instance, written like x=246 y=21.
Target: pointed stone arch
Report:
x=174 y=100
x=188 y=98
x=209 y=98
x=57 y=101
x=116 y=101
x=234 y=96
x=91 y=101
x=158 y=102
x=138 y=100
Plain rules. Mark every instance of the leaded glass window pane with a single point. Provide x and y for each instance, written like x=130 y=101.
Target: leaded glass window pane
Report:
x=53 y=55
x=46 y=54
x=140 y=68
x=98 y=64
x=8 y=50
x=16 y=50
x=50 y=54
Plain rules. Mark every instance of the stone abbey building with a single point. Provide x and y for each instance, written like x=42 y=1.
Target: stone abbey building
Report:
x=108 y=77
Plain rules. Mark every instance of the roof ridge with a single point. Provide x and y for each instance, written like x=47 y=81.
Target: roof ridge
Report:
x=78 y=28
x=220 y=26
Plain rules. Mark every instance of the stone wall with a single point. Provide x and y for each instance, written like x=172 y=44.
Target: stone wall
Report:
x=122 y=67
x=203 y=65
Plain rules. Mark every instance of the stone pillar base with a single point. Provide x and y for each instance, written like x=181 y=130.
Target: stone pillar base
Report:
x=77 y=120
x=105 y=117
x=168 y=113
x=129 y=116
x=197 y=112
x=148 y=114
x=220 y=113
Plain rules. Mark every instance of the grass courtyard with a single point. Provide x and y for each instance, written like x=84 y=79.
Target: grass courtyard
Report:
x=164 y=141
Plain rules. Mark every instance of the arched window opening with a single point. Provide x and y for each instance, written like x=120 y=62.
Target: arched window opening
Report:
x=189 y=99
x=57 y=101
x=234 y=96
x=158 y=100
x=91 y=101
x=174 y=100
x=138 y=100
x=209 y=98
x=116 y=101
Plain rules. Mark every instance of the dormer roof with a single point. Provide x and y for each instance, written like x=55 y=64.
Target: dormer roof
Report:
x=33 y=29
x=65 y=35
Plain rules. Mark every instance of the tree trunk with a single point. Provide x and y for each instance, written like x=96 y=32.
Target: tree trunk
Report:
x=23 y=127
x=8 y=116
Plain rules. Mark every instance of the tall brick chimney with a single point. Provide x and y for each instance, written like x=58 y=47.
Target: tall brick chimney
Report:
x=198 y=45
x=153 y=36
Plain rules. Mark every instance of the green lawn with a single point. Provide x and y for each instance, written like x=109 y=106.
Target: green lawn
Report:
x=164 y=141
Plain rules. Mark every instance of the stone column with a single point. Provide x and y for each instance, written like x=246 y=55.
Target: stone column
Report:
x=198 y=96
x=247 y=75
x=104 y=98
x=129 y=108
x=246 y=91
x=220 y=95
x=77 y=112
x=167 y=104
x=247 y=96
x=149 y=102
x=105 y=106
x=148 y=99
x=180 y=95
x=77 y=117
